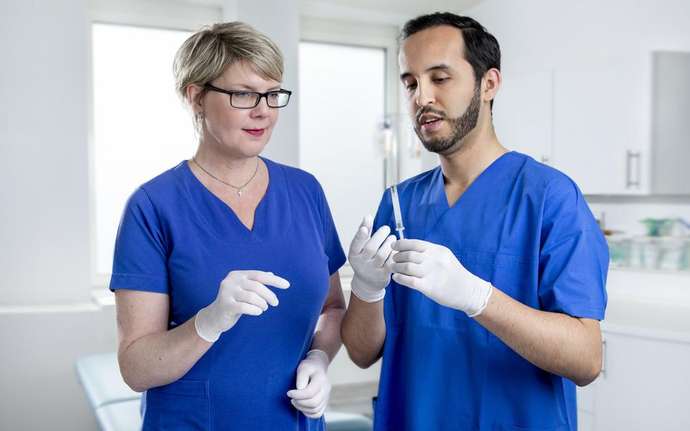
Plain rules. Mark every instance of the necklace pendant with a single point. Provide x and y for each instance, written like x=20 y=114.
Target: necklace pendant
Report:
x=239 y=193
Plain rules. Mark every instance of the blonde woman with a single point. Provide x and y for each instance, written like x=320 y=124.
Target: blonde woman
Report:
x=225 y=263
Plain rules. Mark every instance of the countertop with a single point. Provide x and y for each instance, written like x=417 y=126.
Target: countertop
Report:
x=649 y=304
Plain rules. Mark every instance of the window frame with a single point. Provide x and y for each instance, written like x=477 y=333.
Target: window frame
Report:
x=154 y=14
x=383 y=36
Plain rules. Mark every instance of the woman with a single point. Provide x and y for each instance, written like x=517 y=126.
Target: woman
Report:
x=224 y=264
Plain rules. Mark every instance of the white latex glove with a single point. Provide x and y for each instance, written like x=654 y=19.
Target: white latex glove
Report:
x=434 y=270
x=368 y=257
x=241 y=292
x=313 y=387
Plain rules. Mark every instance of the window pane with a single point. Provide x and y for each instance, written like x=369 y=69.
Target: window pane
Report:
x=342 y=103
x=141 y=127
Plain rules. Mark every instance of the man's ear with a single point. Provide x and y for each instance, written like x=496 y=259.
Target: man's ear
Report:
x=491 y=83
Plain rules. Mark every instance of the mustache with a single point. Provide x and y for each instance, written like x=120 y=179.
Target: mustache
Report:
x=428 y=110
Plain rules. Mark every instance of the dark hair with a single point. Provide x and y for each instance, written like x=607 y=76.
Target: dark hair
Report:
x=481 y=47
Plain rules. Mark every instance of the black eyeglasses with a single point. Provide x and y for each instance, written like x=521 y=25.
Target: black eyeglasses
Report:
x=249 y=99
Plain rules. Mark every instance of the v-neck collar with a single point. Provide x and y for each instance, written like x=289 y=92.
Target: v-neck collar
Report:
x=438 y=183
x=438 y=192
x=222 y=215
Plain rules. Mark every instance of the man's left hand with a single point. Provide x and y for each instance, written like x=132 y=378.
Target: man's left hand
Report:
x=434 y=271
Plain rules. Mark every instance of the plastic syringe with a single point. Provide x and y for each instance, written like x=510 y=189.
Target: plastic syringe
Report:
x=399 y=226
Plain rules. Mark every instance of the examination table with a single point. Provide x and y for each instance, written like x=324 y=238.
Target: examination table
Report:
x=116 y=406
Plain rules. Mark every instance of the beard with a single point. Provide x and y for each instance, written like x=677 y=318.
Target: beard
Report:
x=460 y=127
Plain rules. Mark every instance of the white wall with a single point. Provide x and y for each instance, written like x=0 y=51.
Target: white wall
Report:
x=47 y=318
x=39 y=389
x=44 y=228
x=562 y=33
x=558 y=34
x=44 y=77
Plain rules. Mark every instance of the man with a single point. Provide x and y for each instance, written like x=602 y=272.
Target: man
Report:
x=492 y=315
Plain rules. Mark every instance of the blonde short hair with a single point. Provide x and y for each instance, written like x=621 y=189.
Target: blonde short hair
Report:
x=206 y=54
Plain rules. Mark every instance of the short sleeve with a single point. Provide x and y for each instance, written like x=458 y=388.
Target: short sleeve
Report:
x=573 y=261
x=140 y=257
x=332 y=247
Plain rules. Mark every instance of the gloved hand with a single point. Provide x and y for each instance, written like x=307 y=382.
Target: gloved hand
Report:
x=368 y=257
x=241 y=292
x=434 y=270
x=313 y=387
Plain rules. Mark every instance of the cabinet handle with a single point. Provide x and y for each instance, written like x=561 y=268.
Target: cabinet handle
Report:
x=602 y=373
x=629 y=181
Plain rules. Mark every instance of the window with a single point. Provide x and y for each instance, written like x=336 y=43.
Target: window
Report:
x=347 y=87
x=342 y=102
x=140 y=127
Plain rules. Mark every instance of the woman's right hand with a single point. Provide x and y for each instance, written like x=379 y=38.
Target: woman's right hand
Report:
x=241 y=292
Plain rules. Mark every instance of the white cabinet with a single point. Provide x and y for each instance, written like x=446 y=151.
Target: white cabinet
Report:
x=645 y=384
x=585 y=407
x=590 y=120
x=601 y=128
x=523 y=110
x=670 y=125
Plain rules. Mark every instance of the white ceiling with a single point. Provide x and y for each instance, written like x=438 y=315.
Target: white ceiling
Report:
x=397 y=7
x=405 y=7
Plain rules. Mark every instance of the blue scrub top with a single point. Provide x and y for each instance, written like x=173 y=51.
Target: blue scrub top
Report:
x=179 y=239
x=524 y=227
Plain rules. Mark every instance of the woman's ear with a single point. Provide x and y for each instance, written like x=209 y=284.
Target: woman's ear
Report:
x=194 y=96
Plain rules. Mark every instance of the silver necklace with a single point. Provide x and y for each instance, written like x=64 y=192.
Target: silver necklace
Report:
x=238 y=189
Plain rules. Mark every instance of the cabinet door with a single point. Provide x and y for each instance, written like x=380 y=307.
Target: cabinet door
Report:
x=585 y=421
x=671 y=128
x=522 y=112
x=601 y=126
x=646 y=385
x=585 y=407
